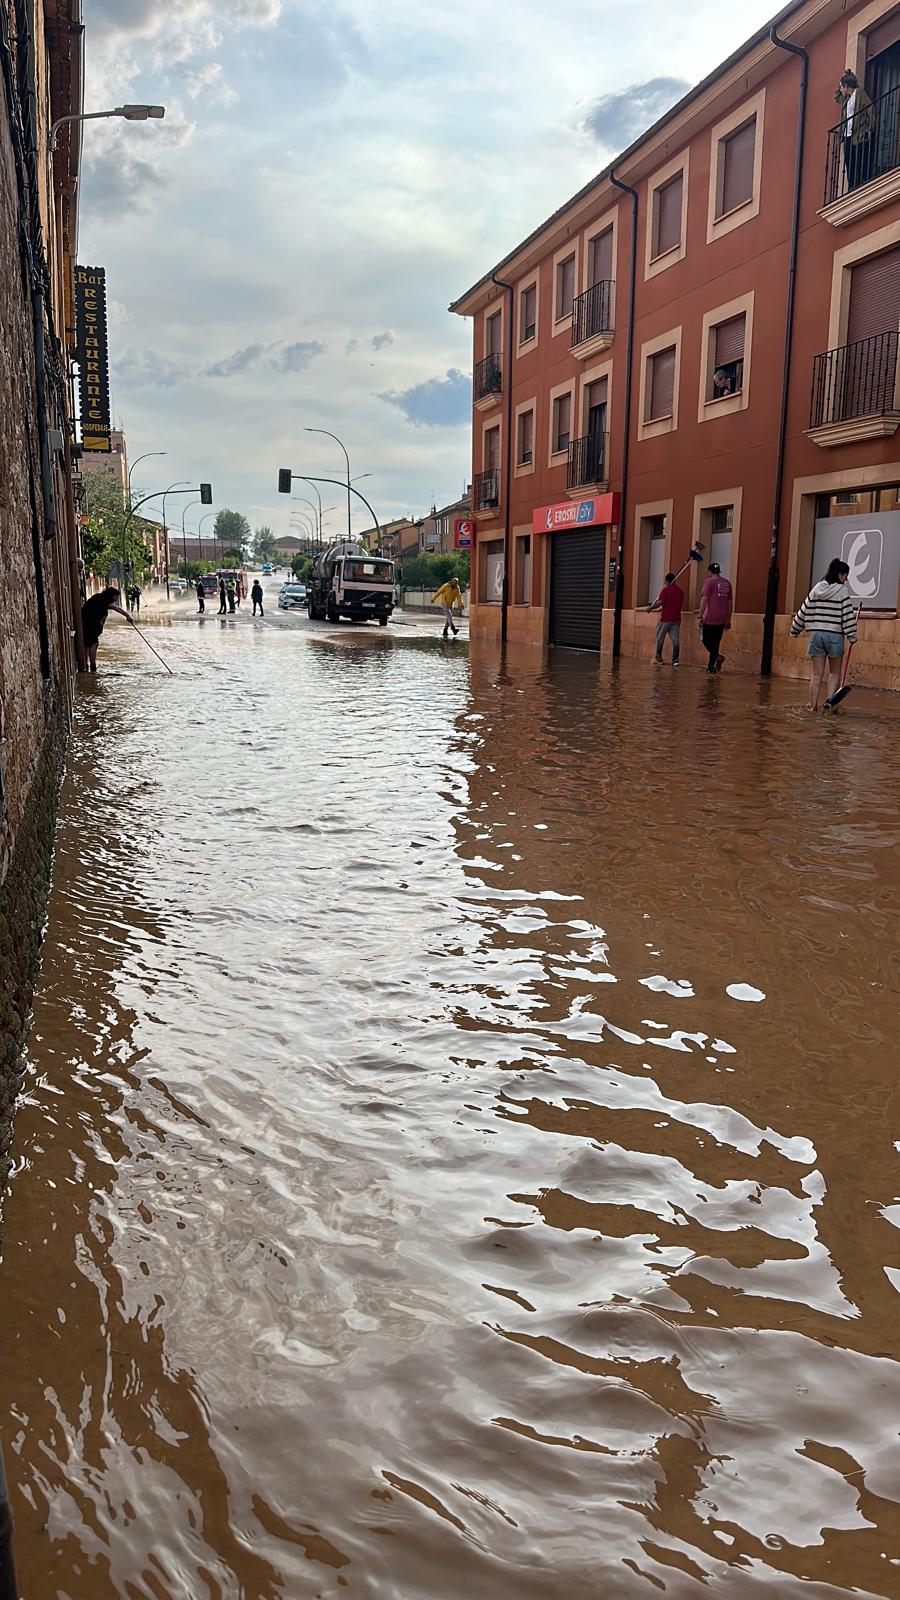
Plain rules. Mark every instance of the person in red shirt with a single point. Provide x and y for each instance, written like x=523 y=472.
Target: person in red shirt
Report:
x=716 y=606
x=669 y=603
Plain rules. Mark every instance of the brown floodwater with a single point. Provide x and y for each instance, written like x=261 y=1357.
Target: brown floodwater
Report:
x=459 y=1149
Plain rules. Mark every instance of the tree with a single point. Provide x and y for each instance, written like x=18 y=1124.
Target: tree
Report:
x=429 y=572
x=108 y=549
x=300 y=566
x=265 y=545
x=231 y=528
x=233 y=557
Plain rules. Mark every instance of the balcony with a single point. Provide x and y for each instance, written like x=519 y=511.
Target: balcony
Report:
x=487 y=381
x=592 y=320
x=861 y=177
x=486 y=489
x=587 y=461
x=854 y=391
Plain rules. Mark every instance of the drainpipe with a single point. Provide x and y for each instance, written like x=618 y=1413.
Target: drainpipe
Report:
x=507 y=465
x=25 y=25
x=765 y=665
x=629 y=374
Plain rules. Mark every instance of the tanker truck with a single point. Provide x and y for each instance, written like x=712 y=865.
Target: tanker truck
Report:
x=346 y=580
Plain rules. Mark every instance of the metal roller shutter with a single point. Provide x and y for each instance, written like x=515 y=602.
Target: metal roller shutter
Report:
x=738 y=159
x=874 y=296
x=730 y=340
x=577 y=592
x=668 y=215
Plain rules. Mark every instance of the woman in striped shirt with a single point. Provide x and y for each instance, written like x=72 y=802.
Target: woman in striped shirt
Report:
x=828 y=615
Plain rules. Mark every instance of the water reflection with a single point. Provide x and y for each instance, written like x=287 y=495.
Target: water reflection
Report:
x=405 y=1205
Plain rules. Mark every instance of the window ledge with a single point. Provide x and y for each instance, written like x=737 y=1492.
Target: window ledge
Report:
x=562 y=324
x=859 y=202
x=857 y=429
x=725 y=216
x=725 y=405
x=526 y=345
x=664 y=254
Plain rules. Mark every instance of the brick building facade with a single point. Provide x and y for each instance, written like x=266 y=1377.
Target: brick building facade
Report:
x=614 y=426
x=40 y=57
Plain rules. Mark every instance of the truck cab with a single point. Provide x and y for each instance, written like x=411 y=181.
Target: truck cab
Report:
x=348 y=581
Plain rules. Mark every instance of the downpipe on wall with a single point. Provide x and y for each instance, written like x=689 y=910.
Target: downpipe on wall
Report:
x=507 y=459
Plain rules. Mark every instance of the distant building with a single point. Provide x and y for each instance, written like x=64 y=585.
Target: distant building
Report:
x=438 y=528
x=114 y=465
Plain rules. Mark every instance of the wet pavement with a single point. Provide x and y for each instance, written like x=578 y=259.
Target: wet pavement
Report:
x=458 y=1149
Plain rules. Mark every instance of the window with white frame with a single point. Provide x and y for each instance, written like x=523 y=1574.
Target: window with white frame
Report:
x=525 y=438
x=659 y=387
x=666 y=217
x=736 y=157
x=528 y=313
x=565 y=287
x=726 y=365
x=562 y=422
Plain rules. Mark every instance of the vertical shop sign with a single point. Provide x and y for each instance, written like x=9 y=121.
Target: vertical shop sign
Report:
x=92 y=355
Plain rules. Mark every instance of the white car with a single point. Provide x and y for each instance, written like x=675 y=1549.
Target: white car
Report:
x=292 y=596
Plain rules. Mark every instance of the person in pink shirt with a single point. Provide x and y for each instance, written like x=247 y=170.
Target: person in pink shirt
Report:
x=669 y=603
x=716 y=607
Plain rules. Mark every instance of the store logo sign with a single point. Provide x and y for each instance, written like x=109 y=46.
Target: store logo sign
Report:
x=863 y=551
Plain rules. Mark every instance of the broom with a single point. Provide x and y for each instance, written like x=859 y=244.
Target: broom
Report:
x=844 y=689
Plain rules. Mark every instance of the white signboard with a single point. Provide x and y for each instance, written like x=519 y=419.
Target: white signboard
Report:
x=870 y=545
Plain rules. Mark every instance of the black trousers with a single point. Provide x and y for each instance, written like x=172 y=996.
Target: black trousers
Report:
x=711 y=634
x=260 y=604
x=201 y=603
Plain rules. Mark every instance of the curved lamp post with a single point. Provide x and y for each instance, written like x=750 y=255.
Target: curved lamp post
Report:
x=334 y=480
x=184 y=531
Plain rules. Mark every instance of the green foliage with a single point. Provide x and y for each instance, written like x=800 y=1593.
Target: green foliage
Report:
x=265 y=546
x=105 y=544
x=232 y=529
x=233 y=556
x=300 y=566
x=429 y=572
x=194 y=569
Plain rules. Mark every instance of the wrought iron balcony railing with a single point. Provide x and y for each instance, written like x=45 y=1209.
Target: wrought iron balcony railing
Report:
x=488 y=376
x=587 y=460
x=855 y=380
x=871 y=150
x=592 y=312
x=487 y=489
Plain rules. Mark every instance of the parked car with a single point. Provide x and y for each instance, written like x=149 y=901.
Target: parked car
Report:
x=291 y=596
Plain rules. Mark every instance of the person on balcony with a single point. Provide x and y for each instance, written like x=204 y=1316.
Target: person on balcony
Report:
x=857 y=128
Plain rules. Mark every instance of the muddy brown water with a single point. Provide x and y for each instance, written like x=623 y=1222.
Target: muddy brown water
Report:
x=459 y=1153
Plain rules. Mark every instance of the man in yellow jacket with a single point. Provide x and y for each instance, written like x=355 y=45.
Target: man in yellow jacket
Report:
x=448 y=596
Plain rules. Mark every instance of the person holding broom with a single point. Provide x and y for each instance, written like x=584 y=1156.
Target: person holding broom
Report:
x=94 y=613
x=828 y=615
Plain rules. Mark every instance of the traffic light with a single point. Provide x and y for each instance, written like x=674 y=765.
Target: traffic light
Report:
x=284 y=480
x=206 y=494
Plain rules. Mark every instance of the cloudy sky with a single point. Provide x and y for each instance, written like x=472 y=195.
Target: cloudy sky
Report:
x=281 y=250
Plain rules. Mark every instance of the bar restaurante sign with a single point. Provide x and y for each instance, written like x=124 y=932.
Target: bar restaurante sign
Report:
x=93 y=357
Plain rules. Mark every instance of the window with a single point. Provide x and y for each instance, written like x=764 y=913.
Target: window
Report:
x=565 y=287
x=666 y=224
x=525 y=438
x=492 y=334
x=562 y=422
x=491 y=448
x=727 y=374
x=721 y=528
x=736 y=161
x=655 y=532
x=600 y=258
x=595 y=397
x=490 y=572
x=846 y=497
x=523 y=570
x=660 y=385
x=528 y=313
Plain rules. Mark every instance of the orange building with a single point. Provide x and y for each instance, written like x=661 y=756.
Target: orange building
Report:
x=644 y=378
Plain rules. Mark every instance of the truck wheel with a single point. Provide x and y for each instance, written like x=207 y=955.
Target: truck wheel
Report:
x=382 y=622
x=331 y=610
x=310 y=610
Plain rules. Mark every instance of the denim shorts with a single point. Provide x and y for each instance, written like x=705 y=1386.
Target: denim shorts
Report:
x=826 y=644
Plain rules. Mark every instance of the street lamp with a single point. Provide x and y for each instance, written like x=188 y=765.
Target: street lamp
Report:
x=335 y=480
x=200 y=530
x=184 y=531
x=130 y=113
x=145 y=457
x=284 y=487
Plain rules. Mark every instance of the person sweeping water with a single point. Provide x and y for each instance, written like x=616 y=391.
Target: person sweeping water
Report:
x=828 y=615
x=449 y=597
x=94 y=613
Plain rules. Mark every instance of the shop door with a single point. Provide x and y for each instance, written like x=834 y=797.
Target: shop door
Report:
x=577 y=577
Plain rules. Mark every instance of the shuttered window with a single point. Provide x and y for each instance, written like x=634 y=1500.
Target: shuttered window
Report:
x=600 y=258
x=660 y=385
x=596 y=405
x=492 y=338
x=874 y=296
x=492 y=448
x=667 y=216
x=562 y=422
x=565 y=287
x=736 y=159
x=528 y=314
x=882 y=37
x=526 y=438
x=730 y=340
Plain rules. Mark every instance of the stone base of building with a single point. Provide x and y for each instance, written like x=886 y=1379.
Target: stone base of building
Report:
x=23 y=902
x=876 y=655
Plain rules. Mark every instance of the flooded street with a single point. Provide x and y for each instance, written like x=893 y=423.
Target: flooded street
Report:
x=457 y=1158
